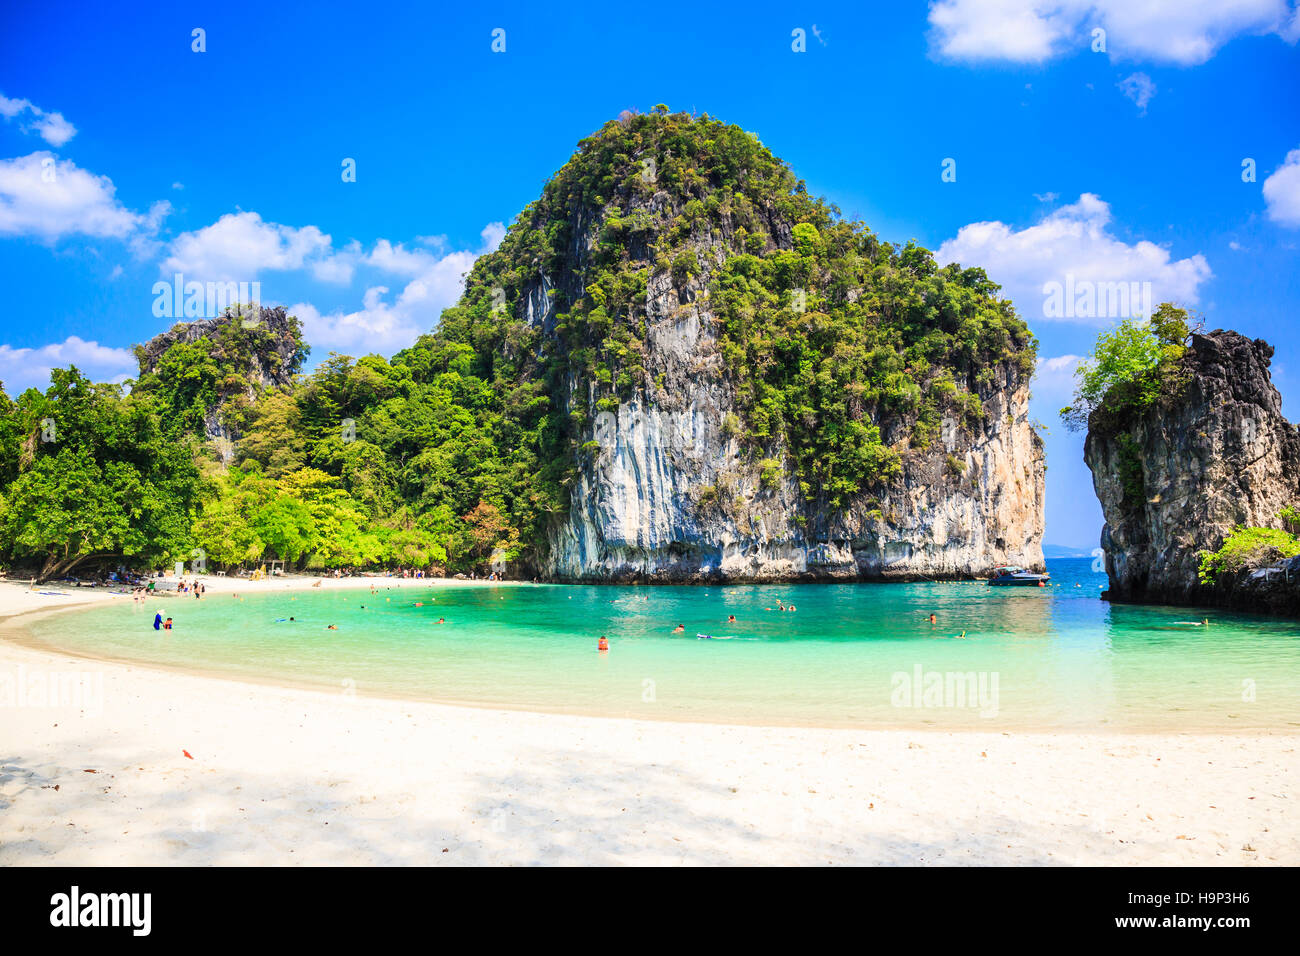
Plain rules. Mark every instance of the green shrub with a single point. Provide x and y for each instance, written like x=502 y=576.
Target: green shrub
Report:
x=1247 y=548
x=1131 y=367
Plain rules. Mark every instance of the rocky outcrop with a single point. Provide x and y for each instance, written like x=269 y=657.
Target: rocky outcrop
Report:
x=672 y=496
x=261 y=347
x=1179 y=477
x=271 y=365
x=752 y=387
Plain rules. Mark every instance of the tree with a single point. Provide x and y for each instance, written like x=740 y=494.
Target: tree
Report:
x=486 y=530
x=98 y=475
x=274 y=437
x=62 y=512
x=287 y=527
x=1130 y=367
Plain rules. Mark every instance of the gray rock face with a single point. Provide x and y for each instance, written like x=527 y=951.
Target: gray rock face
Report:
x=1223 y=455
x=672 y=496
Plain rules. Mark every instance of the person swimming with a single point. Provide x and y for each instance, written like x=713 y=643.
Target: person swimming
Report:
x=442 y=620
x=731 y=619
x=331 y=627
x=602 y=644
x=680 y=629
x=933 y=619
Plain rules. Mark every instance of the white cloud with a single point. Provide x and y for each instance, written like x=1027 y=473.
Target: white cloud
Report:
x=492 y=235
x=1031 y=31
x=338 y=267
x=22 y=368
x=1073 y=244
x=240 y=245
x=51 y=127
x=998 y=30
x=49 y=198
x=386 y=327
x=1139 y=88
x=1282 y=191
x=1054 y=379
x=400 y=260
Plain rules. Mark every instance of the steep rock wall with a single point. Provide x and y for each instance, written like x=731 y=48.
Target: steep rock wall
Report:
x=1180 y=477
x=671 y=496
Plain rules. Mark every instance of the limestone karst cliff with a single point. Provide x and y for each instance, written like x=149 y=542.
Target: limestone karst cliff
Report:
x=748 y=386
x=1177 y=478
x=671 y=495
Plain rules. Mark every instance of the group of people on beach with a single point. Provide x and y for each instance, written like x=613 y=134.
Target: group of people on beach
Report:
x=195 y=587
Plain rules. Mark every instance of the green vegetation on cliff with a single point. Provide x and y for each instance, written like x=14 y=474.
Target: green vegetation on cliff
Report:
x=1133 y=366
x=1252 y=547
x=824 y=330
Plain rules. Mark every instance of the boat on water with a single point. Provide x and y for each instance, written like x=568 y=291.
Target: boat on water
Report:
x=1018 y=577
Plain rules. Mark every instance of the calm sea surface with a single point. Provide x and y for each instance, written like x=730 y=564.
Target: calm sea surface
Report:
x=857 y=655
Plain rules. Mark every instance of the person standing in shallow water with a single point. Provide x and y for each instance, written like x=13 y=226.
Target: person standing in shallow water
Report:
x=602 y=644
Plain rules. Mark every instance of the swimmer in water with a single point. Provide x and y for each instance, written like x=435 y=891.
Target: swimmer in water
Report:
x=680 y=629
x=167 y=624
x=442 y=620
x=602 y=644
x=933 y=619
x=791 y=609
x=960 y=636
x=731 y=619
x=331 y=627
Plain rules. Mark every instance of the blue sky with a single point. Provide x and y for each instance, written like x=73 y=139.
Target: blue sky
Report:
x=1114 y=165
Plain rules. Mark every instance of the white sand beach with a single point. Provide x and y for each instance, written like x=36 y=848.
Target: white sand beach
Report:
x=156 y=768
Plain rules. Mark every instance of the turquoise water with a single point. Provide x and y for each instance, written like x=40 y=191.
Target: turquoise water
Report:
x=851 y=655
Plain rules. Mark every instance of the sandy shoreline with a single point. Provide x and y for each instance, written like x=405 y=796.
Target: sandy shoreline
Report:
x=294 y=776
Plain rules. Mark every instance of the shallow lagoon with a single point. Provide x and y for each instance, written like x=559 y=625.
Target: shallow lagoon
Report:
x=857 y=655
